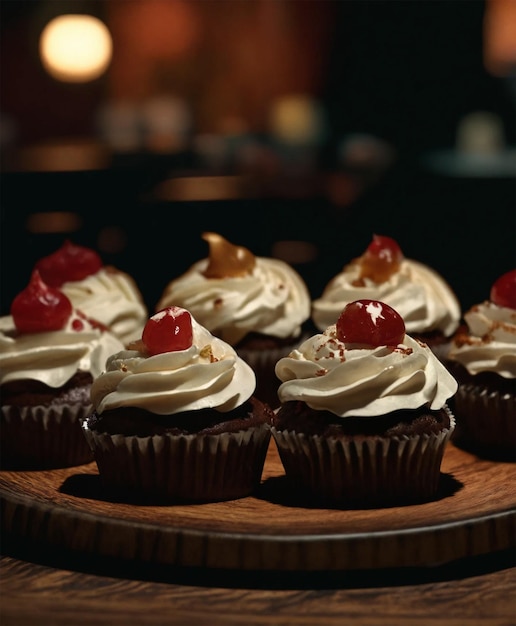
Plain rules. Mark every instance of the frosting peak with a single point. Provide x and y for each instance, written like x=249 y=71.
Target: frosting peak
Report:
x=102 y=292
x=271 y=299
x=422 y=298
x=110 y=296
x=208 y=374
x=53 y=357
x=488 y=344
x=363 y=381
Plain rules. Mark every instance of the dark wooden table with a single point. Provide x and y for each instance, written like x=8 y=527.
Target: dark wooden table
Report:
x=74 y=556
x=77 y=593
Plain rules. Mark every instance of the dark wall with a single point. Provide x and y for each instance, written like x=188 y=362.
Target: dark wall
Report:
x=403 y=71
x=408 y=71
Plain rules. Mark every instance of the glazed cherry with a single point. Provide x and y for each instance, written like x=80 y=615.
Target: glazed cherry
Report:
x=370 y=322
x=168 y=330
x=69 y=263
x=40 y=308
x=382 y=258
x=503 y=291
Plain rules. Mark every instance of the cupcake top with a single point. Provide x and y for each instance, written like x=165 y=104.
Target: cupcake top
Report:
x=45 y=339
x=177 y=366
x=420 y=295
x=101 y=292
x=487 y=343
x=233 y=293
x=364 y=365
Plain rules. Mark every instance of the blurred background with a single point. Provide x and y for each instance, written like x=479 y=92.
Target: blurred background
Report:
x=297 y=128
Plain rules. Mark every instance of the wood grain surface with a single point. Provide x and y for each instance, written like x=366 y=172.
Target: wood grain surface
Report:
x=478 y=592
x=473 y=514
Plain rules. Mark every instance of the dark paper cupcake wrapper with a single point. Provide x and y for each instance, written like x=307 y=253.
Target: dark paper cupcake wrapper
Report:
x=485 y=418
x=39 y=437
x=369 y=471
x=182 y=467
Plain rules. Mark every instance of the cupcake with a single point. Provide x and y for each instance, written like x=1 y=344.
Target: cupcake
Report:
x=258 y=305
x=49 y=355
x=175 y=417
x=102 y=292
x=483 y=360
x=425 y=301
x=364 y=418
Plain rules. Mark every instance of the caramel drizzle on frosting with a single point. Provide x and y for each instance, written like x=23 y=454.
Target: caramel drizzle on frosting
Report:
x=379 y=270
x=227 y=260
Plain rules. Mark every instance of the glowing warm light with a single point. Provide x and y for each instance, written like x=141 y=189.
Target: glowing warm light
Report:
x=54 y=222
x=480 y=132
x=500 y=37
x=62 y=156
x=75 y=48
x=296 y=119
x=195 y=188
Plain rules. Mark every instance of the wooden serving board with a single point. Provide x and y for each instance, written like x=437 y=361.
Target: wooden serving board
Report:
x=474 y=513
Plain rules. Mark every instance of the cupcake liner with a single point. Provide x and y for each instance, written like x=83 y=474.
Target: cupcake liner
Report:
x=366 y=470
x=486 y=418
x=181 y=467
x=43 y=437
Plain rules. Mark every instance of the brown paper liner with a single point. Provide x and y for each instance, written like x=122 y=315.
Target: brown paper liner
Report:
x=42 y=437
x=367 y=471
x=199 y=468
x=486 y=419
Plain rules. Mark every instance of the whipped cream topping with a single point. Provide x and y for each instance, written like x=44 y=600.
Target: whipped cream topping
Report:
x=420 y=295
x=111 y=297
x=490 y=343
x=360 y=381
x=209 y=374
x=272 y=300
x=53 y=357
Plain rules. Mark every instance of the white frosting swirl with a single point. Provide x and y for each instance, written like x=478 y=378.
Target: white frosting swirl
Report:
x=421 y=296
x=273 y=300
x=490 y=345
x=111 y=297
x=209 y=374
x=352 y=381
x=53 y=357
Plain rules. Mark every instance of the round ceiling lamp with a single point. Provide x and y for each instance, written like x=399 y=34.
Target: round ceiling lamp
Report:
x=75 y=48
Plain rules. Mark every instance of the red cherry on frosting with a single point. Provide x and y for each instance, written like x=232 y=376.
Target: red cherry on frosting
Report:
x=370 y=322
x=40 y=308
x=503 y=291
x=381 y=259
x=168 y=330
x=69 y=263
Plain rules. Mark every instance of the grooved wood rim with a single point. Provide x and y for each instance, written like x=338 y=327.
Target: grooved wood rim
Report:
x=473 y=514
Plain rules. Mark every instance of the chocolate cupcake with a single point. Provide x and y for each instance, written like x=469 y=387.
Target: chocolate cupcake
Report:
x=49 y=355
x=483 y=360
x=260 y=306
x=175 y=417
x=364 y=419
